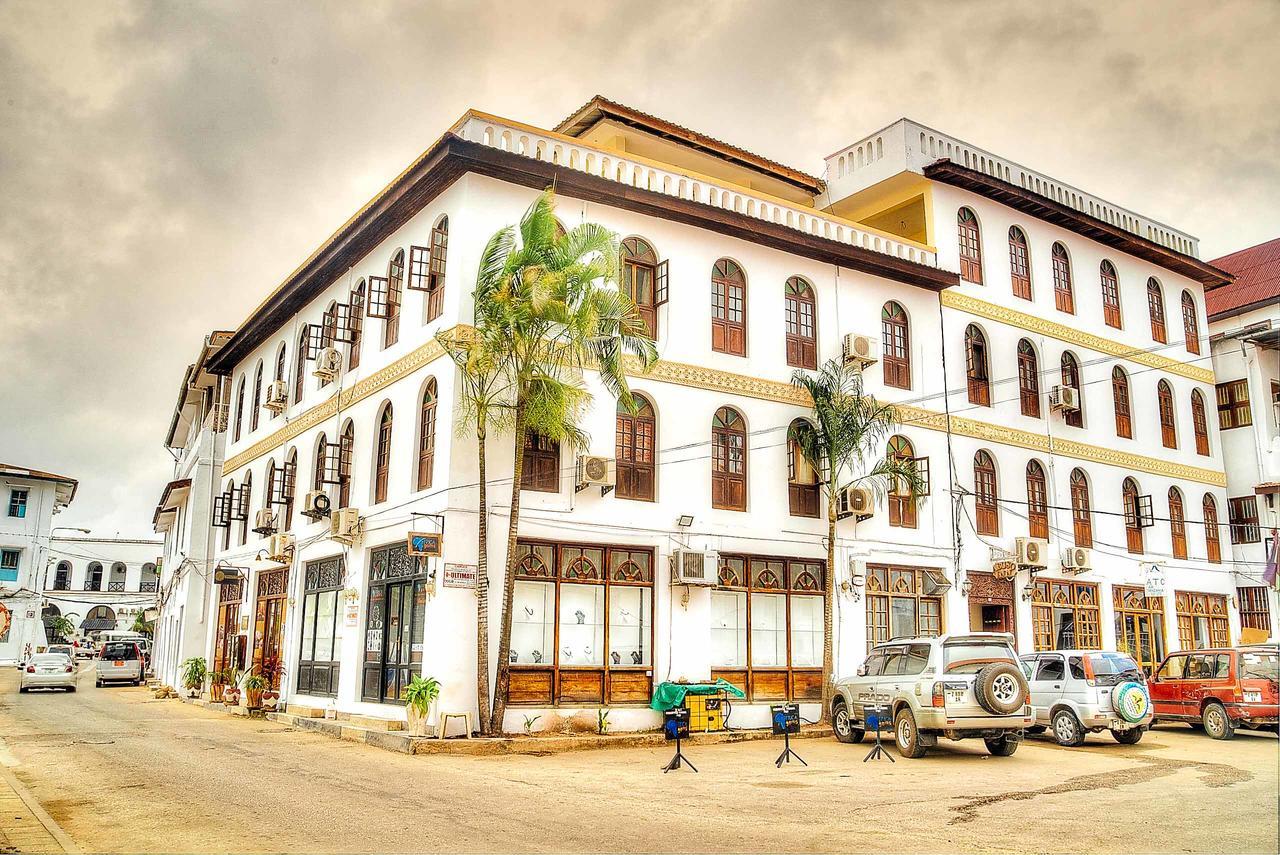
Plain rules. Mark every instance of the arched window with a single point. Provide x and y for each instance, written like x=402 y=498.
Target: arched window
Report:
x=1064 y=296
x=1177 y=523
x=977 y=367
x=1168 y=422
x=802 y=479
x=288 y=487
x=986 y=498
x=318 y=481
x=802 y=324
x=1028 y=379
x=636 y=438
x=1110 y=294
x=902 y=505
x=245 y=500
x=1155 y=305
x=382 y=457
x=1120 y=399
x=1071 y=379
x=235 y=435
x=728 y=460
x=435 y=281
x=269 y=488
x=300 y=366
x=257 y=397
x=62 y=576
x=639 y=280
x=356 y=319
x=395 y=279
x=427 y=435
x=1081 y=512
x=93 y=578
x=1132 y=516
x=280 y=368
x=896 y=346
x=1190 y=326
x=1037 y=501
x=1019 y=263
x=1199 y=423
x=1213 y=547
x=328 y=332
x=728 y=308
x=970 y=247
x=346 y=449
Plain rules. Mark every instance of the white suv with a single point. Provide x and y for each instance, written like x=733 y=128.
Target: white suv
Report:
x=957 y=686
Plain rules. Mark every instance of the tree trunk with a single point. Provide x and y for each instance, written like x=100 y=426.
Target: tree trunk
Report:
x=509 y=579
x=828 y=613
x=482 y=592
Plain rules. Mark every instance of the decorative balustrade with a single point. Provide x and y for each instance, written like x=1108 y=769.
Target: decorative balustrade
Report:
x=115 y=586
x=649 y=175
x=913 y=146
x=149 y=587
x=92 y=586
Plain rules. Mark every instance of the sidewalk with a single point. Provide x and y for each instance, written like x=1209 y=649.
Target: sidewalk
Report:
x=24 y=825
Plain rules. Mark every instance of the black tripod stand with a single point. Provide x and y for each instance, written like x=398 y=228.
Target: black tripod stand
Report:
x=787 y=753
x=676 y=760
x=877 y=751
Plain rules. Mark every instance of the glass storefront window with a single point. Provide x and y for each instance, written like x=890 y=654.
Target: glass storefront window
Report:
x=769 y=630
x=581 y=625
x=729 y=628
x=806 y=632
x=532 y=627
x=629 y=630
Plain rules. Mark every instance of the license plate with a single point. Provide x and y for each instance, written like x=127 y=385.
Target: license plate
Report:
x=119 y=663
x=1253 y=697
x=955 y=696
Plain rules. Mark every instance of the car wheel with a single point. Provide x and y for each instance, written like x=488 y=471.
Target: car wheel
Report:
x=71 y=688
x=907 y=735
x=1067 y=729
x=1216 y=721
x=97 y=683
x=842 y=724
x=1000 y=688
x=1128 y=737
x=23 y=689
x=1001 y=746
x=1036 y=729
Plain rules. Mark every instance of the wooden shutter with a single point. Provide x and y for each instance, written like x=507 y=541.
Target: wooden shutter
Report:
x=240 y=507
x=221 y=511
x=661 y=284
x=315 y=340
x=379 y=298
x=419 y=268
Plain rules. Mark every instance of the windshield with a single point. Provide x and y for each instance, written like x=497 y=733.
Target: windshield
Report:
x=120 y=651
x=49 y=659
x=1259 y=666
x=971 y=656
x=1112 y=668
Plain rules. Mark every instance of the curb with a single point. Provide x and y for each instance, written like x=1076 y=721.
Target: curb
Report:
x=37 y=811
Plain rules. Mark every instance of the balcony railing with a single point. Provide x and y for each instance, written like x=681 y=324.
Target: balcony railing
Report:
x=149 y=587
x=92 y=586
x=115 y=586
x=61 y=585
x=634 y=172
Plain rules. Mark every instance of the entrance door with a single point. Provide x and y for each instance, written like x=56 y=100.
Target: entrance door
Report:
x=268 y=625
x=996 y=618
x=393 y=646
x=398 y=643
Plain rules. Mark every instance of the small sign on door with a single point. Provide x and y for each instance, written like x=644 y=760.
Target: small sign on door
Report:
x=460 y=575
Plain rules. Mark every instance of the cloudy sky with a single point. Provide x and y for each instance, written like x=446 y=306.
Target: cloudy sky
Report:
x=164 y=165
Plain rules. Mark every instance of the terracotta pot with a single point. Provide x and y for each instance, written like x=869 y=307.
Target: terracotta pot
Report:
x=270 y=699
x=216 y=692
x=231 y=697
x=254 y=697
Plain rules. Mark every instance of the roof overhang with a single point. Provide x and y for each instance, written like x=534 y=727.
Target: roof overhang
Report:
x=451 y=157
x=1044 y=208
x=64 y=489
x=173 y=495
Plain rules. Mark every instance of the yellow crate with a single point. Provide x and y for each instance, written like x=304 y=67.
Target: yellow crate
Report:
x=706 y=712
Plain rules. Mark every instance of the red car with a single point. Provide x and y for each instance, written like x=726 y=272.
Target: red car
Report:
x=1220 y=689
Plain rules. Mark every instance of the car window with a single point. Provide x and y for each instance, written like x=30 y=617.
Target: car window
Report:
x=1028 y=664
x=916 y=659
x=893 y=661
x=971 y=655
x=874 y=664
x=1223 y=669
x=1050 y=668
x=1174 y=668
x=1076 y=664
x=1200 y=666
x=1255 y=665
x=119 y=650
x=49 y=659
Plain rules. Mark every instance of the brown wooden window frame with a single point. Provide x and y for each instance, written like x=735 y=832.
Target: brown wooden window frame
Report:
x=1064 y=297
x=895 y=349
x=439 y=263
x=1110 y=287
x=1234 y=410
x=640 y=278
x=427 y=435
x=1121 y=402
x=1132 y=606
x=729 y=453
x=235 y=434
x=1242 y=519
x=382 y=456
x=1028 y=379
x=1168 y=415
x=1070 y=369
x=1193 y=606
x=1212 y=538
x=357 y=325
x=1155 y=307
x=970 y=243
x=886 y=583
x=345 y=452
x=1129 y=495
x=540 y=469
x=419 y=268
x=803 y=489
x=257 y=398
x=728 y=308
x=977 y=361
x=1190 y=323
x=1037 y=501
x=1079 y=598
x=986 y=494
x=1255 y=609
x=1177 y=523
x=801 y=321
x=903 y=507
x=395 y=282
x=635 y=451
x=1199 y=423
x=1019 y=263
x=1081 y=509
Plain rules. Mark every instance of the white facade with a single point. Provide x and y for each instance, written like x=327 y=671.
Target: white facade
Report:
x=30 y=499
x=693 y=630
x=101 y=583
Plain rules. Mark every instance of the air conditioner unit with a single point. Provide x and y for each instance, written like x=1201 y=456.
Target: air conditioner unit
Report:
x=1064 y=398
x=317 y=505
x=1032 y=552
x=328 y=363
x=277 y=396
x=1076 y=559
x=279 y=547
x=265 y=522
x=344 y=525
x=862 y=350
x=855 y=502
x=689 y=567
x=595 y=472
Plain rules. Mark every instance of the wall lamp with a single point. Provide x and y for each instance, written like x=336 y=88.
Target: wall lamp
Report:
x=1026 y=593
x=685 y=520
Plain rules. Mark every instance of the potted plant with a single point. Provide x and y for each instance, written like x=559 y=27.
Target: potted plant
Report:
x=254 y=685
x=218 y=685
x=273 y=672
x=419 y=695
x=231 y=694
x=194 y=672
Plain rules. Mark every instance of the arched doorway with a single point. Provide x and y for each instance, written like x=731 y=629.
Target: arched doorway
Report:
x=98 y=619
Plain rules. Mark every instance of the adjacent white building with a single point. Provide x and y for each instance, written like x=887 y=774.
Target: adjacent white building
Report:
x=1244 y=325
x=30 y=499
x=100 y=583
x=1047 y=350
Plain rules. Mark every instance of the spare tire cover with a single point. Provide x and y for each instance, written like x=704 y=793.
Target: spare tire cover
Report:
x=1131 y=701
x=1001 y=688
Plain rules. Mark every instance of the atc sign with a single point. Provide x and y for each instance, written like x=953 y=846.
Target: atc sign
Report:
x=425 y=544
x=1154 y=586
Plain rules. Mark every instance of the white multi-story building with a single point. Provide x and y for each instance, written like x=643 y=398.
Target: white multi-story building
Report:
x=30 y=499
x=197 y=430
x=1046 y=350
x=1244 y=325
x=101 y=583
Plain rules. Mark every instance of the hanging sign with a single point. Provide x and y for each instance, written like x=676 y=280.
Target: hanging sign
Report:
x=351 y=612
x=1006 y=569
x=460 y=575
x=1154 y=586
x=425 y=544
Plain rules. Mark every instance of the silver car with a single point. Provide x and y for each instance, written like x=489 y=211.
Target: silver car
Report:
x=1078 y=692
x=48 y=671
x=120 y=661
x=957 y=686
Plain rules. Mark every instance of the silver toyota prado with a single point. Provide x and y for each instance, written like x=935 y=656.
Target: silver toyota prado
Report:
x=957 y=686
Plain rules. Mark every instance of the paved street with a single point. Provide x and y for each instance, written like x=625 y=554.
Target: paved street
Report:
x=118 y=770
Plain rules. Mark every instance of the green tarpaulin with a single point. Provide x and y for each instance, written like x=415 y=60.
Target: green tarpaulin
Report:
x=670 y=695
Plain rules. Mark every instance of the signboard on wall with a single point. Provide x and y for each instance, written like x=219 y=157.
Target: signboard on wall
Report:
x=425 y=544
x=351 y=613
x=1154 y=585
x=460 y=575
x=1006 y=569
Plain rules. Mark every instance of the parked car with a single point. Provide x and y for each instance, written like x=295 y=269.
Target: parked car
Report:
x=1220 y=689
x=957 y=686
x=120 y=661
x=1078 y=692
x=84 y=649
x=48 y=671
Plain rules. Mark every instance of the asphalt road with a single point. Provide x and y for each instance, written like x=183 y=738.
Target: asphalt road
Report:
x=120 y=771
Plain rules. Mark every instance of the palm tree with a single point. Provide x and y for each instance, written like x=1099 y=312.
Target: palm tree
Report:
x=847 y=429
x=547 y=309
